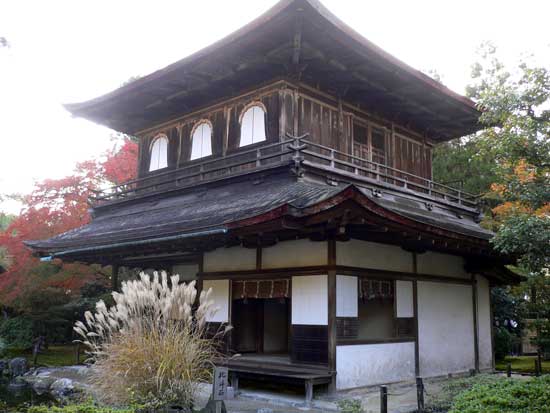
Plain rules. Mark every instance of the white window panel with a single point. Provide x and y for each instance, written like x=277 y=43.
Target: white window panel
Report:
x=253 y=126
x=404 y=299
x=202 y=141
x=159 y=153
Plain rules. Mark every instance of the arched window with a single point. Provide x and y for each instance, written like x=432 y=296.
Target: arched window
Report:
x=201 y=141
x=253 y=125
x=159 y=153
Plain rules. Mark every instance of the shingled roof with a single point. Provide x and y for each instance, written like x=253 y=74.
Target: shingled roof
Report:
x=298 y=38
x=221 y=209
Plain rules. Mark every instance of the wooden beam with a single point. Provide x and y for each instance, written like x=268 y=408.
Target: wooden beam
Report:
x=356 y=342
x=323 y=269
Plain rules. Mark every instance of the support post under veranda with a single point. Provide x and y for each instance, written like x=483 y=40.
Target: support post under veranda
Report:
x=114 y=277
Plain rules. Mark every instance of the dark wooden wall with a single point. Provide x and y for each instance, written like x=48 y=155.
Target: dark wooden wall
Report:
x=295 y=110
x=226 y=131
x=412 y=156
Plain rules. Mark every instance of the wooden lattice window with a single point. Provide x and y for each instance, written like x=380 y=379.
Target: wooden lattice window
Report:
x=378 y=143
x=369 y=143
x=360 y=142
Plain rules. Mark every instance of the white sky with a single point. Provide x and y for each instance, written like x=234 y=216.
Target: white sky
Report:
x=69 y=51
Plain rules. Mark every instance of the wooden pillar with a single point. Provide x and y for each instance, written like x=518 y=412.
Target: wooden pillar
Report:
x=476 y=333
x=296 y=113
x=199 y=279
x=225 y=142
x=114 y=277
x=309 y=392
x=258 y=258
x=415 y=313
x=331 y=279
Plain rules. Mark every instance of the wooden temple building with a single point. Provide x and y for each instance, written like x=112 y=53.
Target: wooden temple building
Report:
x=288 y=168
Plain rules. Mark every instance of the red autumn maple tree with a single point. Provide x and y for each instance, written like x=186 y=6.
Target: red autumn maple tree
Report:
x=55 y=206
x=121 y=165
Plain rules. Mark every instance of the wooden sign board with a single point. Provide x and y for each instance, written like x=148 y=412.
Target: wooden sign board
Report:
x=221 y=376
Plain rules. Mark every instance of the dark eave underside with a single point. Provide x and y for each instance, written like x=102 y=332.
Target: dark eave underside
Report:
x=330 y=56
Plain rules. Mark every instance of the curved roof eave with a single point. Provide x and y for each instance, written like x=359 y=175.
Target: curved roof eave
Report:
x=83 y=108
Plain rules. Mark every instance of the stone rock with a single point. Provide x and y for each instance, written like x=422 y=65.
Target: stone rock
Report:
x=211 y=407
x=40 y=383
x=17 y=385
x=18 y=366
x=61 y=388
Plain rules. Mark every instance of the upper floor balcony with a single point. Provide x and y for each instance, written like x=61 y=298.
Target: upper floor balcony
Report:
x=302 y=157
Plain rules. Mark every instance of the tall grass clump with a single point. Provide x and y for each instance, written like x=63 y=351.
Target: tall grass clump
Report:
x=151 y=348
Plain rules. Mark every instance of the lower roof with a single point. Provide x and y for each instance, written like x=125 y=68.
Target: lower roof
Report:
x=230 y=207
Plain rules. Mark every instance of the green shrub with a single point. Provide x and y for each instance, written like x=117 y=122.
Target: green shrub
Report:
x=442 y=400
x=505 y=396
x=87 y=407
x=503 y=343
x=17 y=333
x=350 y=406
x=93 y=289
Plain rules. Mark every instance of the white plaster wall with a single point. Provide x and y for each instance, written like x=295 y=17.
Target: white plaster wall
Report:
x=220 y=296
x=230 y=259
x=404 y=305
x=187 y=272
x=435 y=263
x=445 y=328
x=297 y=253
x=310 y=300
x=357 y=253
x=370 y=364
x=484 y=323
x=347 y=297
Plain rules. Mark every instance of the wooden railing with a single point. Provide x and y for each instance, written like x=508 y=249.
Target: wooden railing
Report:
x=330 y=159
x=298 y=151
x=241 y=162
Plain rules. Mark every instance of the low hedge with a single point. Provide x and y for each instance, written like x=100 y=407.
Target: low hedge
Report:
x=505 y=396
x=87 y=407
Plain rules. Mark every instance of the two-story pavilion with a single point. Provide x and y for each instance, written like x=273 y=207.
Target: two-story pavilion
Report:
x=288 y=168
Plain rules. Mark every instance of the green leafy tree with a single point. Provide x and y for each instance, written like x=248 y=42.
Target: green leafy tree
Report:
x=509 y=164
x=460 y=164
x=516 y=112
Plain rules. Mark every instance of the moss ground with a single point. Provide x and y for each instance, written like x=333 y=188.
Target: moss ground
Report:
x=522 y=364
x=54 y=356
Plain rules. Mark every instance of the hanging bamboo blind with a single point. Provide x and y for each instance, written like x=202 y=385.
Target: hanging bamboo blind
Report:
x=376 y=289
x=279 y=288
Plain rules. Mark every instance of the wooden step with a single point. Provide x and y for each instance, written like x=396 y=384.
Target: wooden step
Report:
x=281 y=368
